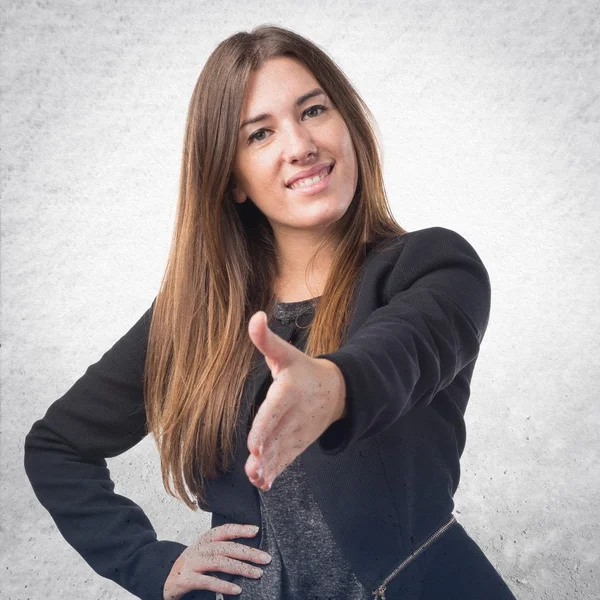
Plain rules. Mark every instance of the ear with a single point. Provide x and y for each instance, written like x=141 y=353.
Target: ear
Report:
x=238 y=195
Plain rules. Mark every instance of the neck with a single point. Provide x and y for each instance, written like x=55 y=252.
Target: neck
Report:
x=295 y=282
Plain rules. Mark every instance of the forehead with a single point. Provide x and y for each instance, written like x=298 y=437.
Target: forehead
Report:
x=280 y=79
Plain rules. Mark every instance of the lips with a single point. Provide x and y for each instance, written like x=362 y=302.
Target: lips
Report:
x=308 y=173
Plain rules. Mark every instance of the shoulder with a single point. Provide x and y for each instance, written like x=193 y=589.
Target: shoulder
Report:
x=430 y=241
x=433 y=255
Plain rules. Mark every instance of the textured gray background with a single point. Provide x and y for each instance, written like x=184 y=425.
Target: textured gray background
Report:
x=488 y=113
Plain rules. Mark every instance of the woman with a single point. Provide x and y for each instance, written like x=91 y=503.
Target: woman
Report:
x=335 y=424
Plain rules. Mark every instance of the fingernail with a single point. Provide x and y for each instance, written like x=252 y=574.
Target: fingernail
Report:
x=259 y=471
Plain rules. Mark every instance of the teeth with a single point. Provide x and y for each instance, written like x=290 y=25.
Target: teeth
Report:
x=308 y=181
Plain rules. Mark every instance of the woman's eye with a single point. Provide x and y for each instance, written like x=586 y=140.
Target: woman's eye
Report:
x=254 y=137
x=316 y=106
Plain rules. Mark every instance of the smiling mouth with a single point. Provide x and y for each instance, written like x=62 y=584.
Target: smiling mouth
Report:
x=330 y=168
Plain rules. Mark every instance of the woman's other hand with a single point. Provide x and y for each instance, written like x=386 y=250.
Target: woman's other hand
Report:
x=212 y=553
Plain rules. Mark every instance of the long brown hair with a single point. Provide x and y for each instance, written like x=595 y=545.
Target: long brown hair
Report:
x=222 y=263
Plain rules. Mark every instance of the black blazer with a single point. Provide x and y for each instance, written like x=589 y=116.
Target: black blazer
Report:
x=384 y=476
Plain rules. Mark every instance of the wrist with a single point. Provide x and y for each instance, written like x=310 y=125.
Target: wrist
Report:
x=337 y=376
x=172 y=589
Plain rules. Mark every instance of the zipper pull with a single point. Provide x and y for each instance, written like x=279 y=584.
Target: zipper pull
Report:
x=219 y=596
x=379 y=592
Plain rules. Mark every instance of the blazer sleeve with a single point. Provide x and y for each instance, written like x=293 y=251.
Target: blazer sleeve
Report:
x=437 y=305
x=102 y=415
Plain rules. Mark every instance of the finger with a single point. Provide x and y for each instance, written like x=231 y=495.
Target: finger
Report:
x=197 y=581
x=291 y=431
x=228 y=531
x=229 y=565
x=275 y=349
x=285 y=448
x=267 y=419
x=251 y=468
x=239 y=551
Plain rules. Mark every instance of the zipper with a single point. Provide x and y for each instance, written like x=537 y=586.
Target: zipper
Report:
x=379 y=592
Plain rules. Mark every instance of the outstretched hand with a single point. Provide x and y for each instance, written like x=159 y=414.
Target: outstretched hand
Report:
x=307 y=395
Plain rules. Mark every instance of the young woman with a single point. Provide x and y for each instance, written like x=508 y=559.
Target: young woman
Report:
x=304 y=368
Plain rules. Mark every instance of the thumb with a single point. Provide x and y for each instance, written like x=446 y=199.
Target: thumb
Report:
x=277 y=351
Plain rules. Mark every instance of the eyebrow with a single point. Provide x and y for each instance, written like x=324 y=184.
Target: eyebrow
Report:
x=301 y=100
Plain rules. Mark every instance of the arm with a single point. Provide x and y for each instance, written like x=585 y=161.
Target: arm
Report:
x=102 y=415
x=437 y=308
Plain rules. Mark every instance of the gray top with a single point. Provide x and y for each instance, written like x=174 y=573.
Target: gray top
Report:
x=307 y=562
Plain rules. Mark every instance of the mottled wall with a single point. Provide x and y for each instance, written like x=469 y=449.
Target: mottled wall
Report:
x=489 y=120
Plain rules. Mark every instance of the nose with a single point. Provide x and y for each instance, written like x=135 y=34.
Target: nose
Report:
x=298 y=142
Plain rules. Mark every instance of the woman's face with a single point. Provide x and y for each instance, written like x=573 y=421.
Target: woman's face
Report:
x=293 y=138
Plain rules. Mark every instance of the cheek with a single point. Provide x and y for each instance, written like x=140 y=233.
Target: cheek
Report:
x=348 y=155
x=346 y=148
